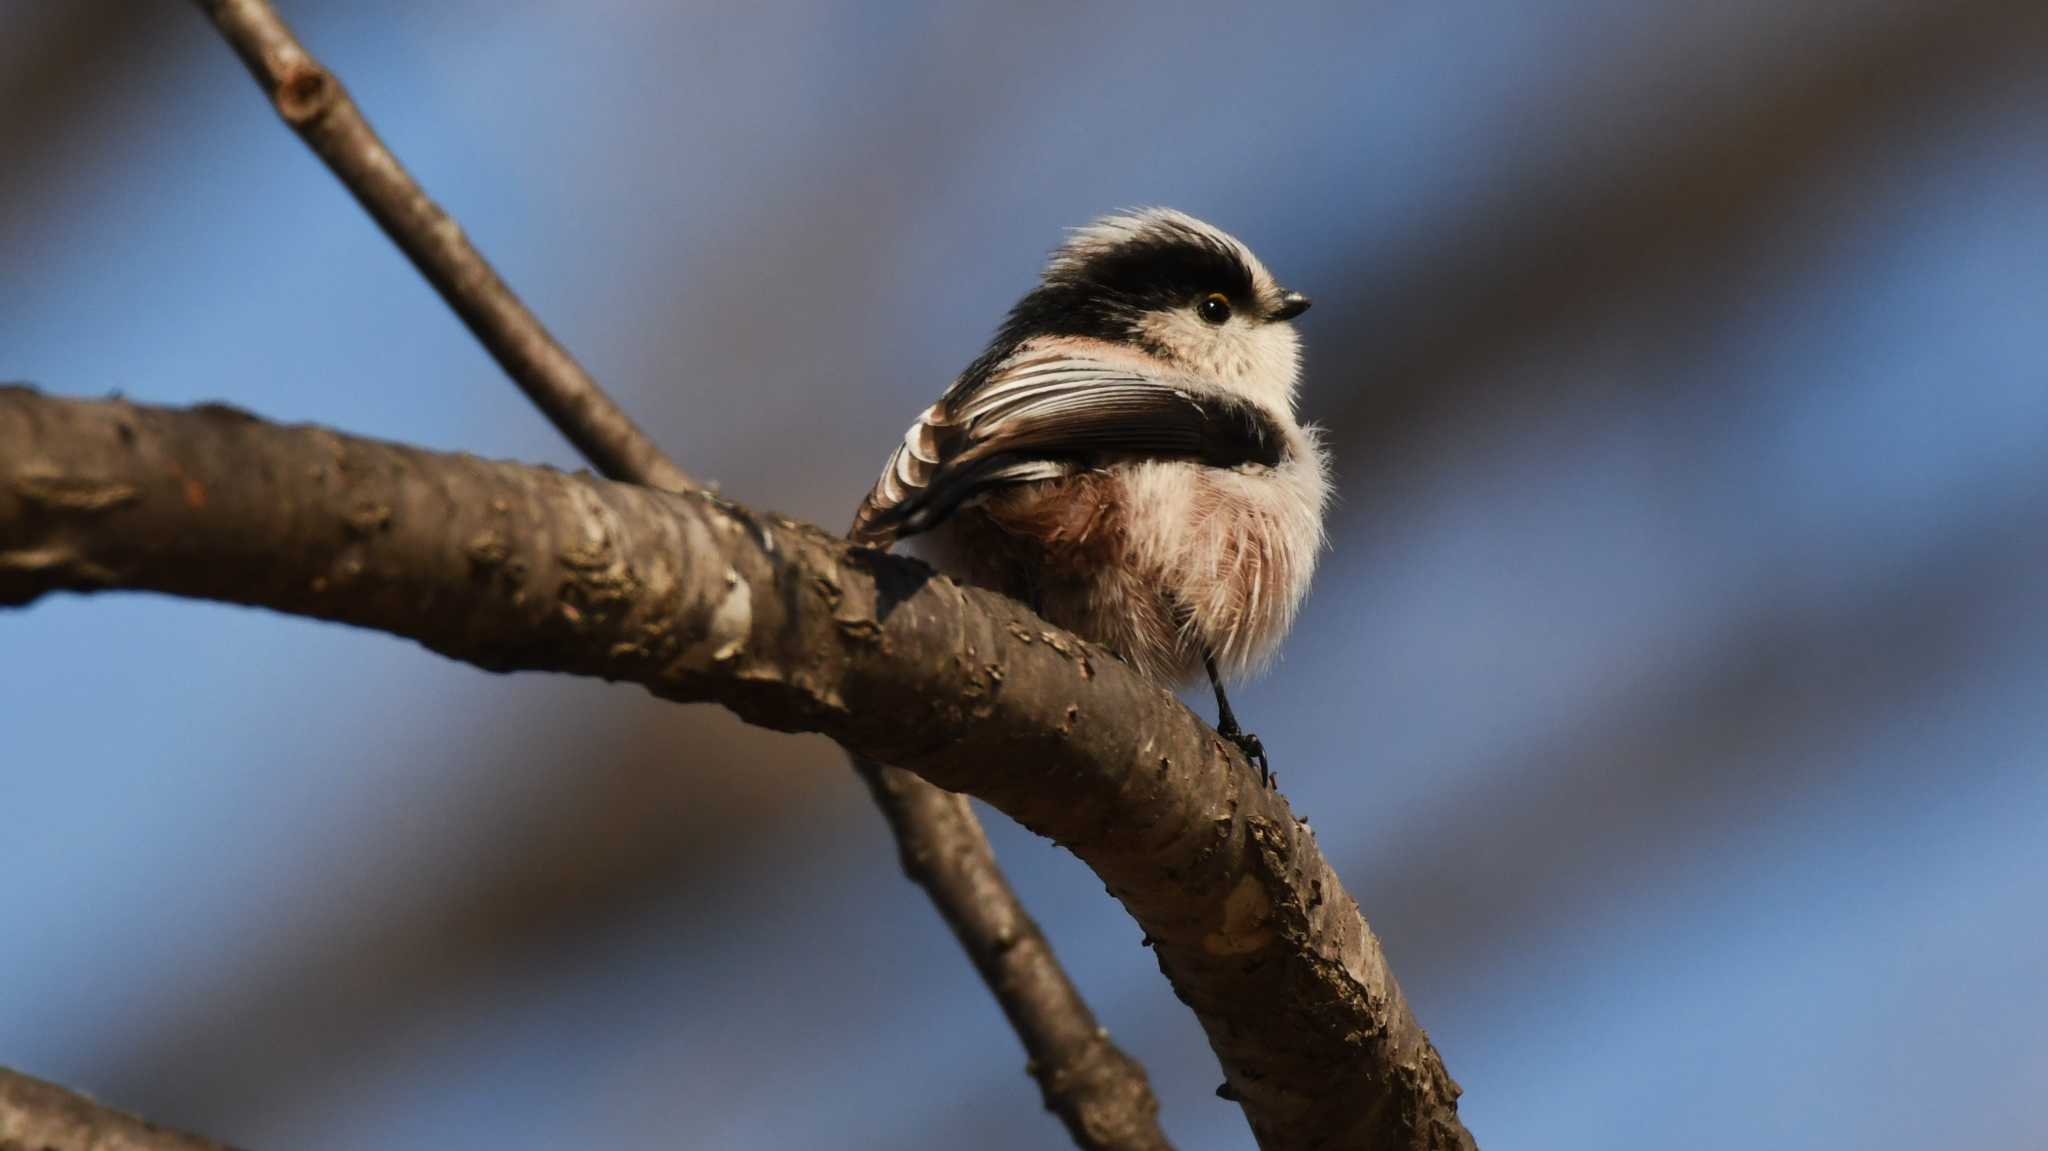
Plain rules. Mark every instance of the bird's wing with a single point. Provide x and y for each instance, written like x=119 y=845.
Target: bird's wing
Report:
x=1046 y=413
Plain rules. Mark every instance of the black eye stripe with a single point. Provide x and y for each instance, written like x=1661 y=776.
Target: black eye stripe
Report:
x=1106 y=293
x=1168 y=271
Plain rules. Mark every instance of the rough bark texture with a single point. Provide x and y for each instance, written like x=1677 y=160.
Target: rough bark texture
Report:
x=1100 y=1093
x=37 y=1116
x=520 y=568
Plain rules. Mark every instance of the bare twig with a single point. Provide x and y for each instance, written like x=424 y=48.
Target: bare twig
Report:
x=38 y=1116
x=1096 y=1089
x=1100 y=1092
x=511 y=567
x=312 y=100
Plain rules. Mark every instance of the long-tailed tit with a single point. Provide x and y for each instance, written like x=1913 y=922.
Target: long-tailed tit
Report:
x=1125 y=456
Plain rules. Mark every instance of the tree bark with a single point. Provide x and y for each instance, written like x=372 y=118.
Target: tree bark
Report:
x=38 y=1116
x=697 y=599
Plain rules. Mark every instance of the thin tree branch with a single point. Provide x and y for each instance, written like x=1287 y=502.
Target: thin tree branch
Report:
x=38 y=1116
x=312 y=100
x=1095 y=1088
x=510 y=568
x=1089 y=1082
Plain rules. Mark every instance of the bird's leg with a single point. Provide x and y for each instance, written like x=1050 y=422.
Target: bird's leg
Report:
x=1226 y=725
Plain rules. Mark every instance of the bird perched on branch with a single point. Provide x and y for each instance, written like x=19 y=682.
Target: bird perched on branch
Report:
x=1125 y=456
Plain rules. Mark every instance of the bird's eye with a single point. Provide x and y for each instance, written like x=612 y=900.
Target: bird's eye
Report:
x=1215 y=307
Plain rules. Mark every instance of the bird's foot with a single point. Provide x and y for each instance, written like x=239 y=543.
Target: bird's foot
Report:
x=1251 y=747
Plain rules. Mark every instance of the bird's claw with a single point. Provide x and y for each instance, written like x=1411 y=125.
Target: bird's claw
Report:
x=1253 y=750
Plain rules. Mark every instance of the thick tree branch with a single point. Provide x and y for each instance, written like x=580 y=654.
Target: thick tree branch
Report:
x=511 y=567
x=1092 y=1085
x=38 y=1116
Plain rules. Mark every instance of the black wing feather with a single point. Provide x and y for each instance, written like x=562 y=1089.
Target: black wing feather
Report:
x=1047 y=415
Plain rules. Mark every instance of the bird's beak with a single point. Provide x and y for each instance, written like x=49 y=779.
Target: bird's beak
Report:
x=1292 y=304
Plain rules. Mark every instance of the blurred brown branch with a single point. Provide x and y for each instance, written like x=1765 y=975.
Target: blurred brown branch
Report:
x=511 y=567
x=38 y=1116
x=1100 y=1092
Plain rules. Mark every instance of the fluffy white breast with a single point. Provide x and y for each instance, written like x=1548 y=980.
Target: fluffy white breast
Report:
x=1234 y=550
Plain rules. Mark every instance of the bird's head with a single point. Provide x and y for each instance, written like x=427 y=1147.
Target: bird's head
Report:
x=1171 y=287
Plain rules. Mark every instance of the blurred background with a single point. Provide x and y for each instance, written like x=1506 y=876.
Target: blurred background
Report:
x=1674 y=697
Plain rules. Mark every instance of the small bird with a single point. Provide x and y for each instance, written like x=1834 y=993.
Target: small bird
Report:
x=1125 y=457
